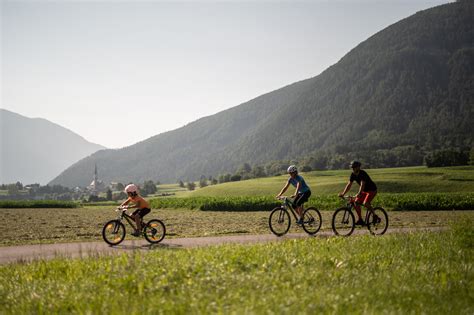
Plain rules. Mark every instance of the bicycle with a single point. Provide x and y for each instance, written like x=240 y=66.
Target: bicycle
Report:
x=343 y=220
x=280 y=221
x=113 y=231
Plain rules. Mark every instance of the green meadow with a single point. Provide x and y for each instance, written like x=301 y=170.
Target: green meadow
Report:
x=423 y=272
x=389 y=180
x=409 y=188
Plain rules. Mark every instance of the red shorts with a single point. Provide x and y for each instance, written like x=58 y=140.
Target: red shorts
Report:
x=365 y=197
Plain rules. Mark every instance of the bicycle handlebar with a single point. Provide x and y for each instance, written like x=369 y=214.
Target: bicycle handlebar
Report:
x=123 y=209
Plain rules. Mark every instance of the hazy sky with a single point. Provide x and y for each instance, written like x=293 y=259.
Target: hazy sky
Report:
x=118 y=72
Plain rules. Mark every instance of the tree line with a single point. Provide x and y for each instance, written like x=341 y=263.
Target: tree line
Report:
x=340 y=158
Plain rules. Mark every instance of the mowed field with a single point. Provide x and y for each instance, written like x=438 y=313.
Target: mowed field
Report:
x=389 y=180
x=41 y=226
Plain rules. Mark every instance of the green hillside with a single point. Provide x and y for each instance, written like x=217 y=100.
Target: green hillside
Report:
x=388 y=180
x=405 y=91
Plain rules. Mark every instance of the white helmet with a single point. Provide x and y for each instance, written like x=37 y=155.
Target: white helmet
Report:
x=292 y=169
x=131 y=188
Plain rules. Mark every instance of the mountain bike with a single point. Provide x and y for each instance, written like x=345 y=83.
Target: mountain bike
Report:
x=343 y=220
x=114 y=232
x=280 y=221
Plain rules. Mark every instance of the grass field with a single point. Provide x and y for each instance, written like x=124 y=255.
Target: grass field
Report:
x=390 y=201
x=429 y=273
x=388 y=180
x=34 y=226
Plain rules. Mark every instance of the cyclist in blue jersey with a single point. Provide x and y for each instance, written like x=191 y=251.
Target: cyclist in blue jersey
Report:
x=302 y=192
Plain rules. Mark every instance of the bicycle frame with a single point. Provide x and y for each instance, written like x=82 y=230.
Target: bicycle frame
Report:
x=287 y=204
x=351 y=205
x=123 y=214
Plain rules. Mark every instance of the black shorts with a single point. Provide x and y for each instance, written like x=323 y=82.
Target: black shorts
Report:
x=141 y=212
x=301 y=198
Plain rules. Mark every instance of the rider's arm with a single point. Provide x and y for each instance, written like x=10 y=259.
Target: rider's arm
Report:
x=284 y=189
x=348 y=187
x=125 y=202
x=297 y=189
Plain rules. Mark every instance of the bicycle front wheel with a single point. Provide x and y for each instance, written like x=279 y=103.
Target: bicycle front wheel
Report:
x=312 y=220
x=154 y=231
x=343 y=222
x=377 y=221
x=113 y=232
x=279 y=221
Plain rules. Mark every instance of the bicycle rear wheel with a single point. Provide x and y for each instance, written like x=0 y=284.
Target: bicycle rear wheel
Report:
x=343 y=222
x=113 y=232
x=311 y=220
x=279 y=221
x=377 y=221
x=154 y=231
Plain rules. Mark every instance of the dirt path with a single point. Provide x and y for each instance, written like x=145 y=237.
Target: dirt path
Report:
x=27 y=253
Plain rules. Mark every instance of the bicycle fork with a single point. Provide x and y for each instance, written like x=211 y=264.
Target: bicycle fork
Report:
x=281 y=217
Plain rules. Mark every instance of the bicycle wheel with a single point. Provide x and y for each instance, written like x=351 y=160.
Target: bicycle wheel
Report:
x=279 y=221
x=377 y=225
x=343 y=222
x=113 y=232
x=154 y=231
x=311 y=221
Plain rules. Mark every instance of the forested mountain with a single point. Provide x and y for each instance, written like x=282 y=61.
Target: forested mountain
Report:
x=406 y=90
x=34 y=150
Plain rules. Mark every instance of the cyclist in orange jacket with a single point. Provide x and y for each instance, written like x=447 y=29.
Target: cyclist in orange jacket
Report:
x=143 y=207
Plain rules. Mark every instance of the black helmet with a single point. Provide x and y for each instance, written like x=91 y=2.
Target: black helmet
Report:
x=355 y=164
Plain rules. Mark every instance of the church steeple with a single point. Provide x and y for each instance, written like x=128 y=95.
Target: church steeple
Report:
x=95 y=173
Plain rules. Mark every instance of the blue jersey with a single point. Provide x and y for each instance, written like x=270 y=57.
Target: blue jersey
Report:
x=299 y=179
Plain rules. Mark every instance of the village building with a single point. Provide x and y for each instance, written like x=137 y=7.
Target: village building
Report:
x=96 y=186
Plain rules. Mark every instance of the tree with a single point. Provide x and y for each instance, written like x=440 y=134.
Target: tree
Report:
x=181 y=184
x=191 y=185
x=203 y=182
x=447 y=157
x=12 y=189
x=109 y=194
x=120 y=187
x=244 y=169
x=306 y=168
x=258 y=171
x=148 y=187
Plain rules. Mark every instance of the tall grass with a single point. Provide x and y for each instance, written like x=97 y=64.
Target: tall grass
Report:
x=429 y=273
x=405 y=201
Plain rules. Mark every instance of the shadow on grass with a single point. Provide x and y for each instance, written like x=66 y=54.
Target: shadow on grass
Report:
x=148 y=246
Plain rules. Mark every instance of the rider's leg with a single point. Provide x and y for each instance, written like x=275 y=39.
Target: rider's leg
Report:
x=299 y=210
x=367 y=202
x=138 y=221
x=358 y=210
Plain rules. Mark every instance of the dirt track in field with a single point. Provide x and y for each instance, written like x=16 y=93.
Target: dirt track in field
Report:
x=26 y=253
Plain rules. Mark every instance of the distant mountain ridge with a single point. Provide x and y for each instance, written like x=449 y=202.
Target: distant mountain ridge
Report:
x=410 y=84
x=35 y=150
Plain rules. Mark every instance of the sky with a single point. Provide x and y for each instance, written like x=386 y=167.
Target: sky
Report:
x=119 y=72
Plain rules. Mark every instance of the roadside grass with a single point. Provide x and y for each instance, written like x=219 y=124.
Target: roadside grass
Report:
x=423 y=272
x=389 y=180
x=37 y=226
